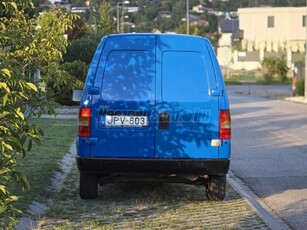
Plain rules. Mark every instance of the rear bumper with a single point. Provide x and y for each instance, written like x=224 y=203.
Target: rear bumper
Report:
x=151 y=166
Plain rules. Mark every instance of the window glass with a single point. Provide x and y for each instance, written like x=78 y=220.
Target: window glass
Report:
x=304 y=20
x=128 y=76
x=184 y=77
x=270 y=21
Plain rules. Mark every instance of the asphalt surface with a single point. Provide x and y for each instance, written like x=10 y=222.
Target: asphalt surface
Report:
x=269 y=148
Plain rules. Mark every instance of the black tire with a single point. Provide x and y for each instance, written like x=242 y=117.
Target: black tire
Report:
x=216 y=188
x=88 y=186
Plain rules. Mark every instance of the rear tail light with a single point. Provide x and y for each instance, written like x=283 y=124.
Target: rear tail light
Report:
x=225 y=124
x=84 y=122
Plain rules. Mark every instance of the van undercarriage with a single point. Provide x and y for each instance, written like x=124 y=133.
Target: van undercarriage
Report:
x=160 y=166
x=210 y=173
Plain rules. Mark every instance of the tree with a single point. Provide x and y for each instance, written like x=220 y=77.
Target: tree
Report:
x=78 y=30
x=72 y=77
x=83 y=49
x=179 y=12
x=26 y=45
x=106 y=24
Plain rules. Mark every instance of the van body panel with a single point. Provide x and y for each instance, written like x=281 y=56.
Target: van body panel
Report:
x=185 y=78
x=83 y=148
x=173 y=84
x=225 y=149
x=223 y=99
x=91 y=74
x=126 y=79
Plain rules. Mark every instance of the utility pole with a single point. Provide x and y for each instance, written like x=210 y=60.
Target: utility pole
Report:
x=305 y=92
x=120 y=21
x=117 y=16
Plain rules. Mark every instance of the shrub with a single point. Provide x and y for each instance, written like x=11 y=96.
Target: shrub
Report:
x=82 y=49
x=268 y=65
x=275 y=67
x=78 y=69
x=300 y=87
x=282 y=68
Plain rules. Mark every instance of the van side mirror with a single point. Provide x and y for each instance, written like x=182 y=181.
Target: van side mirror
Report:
x=76 y=96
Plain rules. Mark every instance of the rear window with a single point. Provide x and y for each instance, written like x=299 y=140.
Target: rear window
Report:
x=184 y=77
x=128 y=76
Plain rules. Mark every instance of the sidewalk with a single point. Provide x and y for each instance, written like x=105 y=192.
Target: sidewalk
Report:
x=280 y=92
x=297 y=99
x=64 y=112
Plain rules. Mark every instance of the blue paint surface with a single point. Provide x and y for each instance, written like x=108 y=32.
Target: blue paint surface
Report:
x=153 y=75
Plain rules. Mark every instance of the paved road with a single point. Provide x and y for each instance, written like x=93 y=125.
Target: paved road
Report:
x=269 y=151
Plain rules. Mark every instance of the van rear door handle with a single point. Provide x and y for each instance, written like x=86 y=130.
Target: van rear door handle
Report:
x=163 y=121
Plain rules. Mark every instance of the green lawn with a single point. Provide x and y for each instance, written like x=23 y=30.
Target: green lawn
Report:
x=42 y=161
x=241 y=79
x=262 y=81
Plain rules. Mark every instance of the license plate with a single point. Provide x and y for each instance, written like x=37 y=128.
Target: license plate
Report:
x=126 y=121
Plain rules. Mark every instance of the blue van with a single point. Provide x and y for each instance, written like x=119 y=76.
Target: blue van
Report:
x=154 y=108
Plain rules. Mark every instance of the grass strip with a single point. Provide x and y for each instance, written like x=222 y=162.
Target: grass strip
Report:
x=241 y=79
x=147 y=206
x=42 y=161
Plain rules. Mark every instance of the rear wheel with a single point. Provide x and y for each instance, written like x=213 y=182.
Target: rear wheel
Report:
x=216 y=188
x=88 y=186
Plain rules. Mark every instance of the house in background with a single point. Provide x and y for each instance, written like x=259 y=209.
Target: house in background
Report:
x=164 y=14
x=273 y=28
x=265 y=32
x=200 y=9
x=230 y=38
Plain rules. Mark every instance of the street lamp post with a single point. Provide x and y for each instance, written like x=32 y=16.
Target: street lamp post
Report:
x=188 y=18
x=117 y=13
x=122 y=27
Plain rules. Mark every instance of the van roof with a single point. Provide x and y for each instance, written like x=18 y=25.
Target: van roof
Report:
x=159 y=35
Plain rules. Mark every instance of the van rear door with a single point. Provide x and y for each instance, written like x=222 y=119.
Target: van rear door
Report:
x=122 y=112
x=186 y=109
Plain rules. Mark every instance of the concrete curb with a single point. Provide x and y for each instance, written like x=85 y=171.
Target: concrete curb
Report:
x=60 y=116
x=263 y=211
x=30 y=219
